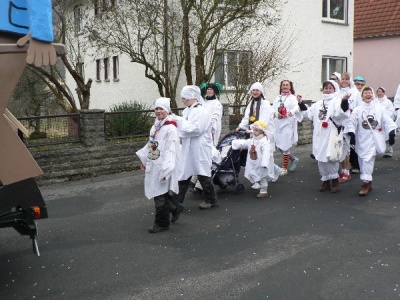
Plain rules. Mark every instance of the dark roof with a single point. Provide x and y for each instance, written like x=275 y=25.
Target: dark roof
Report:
x=376 y=18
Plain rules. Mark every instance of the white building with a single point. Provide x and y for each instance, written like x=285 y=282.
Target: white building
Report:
x=323 y=45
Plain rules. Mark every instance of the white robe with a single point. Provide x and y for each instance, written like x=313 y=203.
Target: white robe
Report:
x=387 y=105
x=161 y=175
x=396 y=101
x=263 y=166
x=194 y=129
x=266 y=114
x=214 y=108
x=365 y=143
x=321 y=134
x=286 y=128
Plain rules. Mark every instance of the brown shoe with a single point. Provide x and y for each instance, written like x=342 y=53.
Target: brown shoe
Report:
x=326 y=186
x=365 y=188
x=335 y=185
x=262 y=195
x=206 y=205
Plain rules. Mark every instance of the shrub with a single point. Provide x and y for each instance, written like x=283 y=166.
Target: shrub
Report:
x=37 y=135
x=129 y=119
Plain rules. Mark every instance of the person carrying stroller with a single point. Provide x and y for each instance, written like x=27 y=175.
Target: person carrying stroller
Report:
x=259 y=166
x=259 y=109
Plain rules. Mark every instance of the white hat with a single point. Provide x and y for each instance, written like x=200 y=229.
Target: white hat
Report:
x=256 y=86
x=192 y=92
x=163 y=103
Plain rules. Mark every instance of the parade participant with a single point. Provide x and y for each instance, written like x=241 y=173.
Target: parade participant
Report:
x=259 y=109
x=286 y=110
x=159 y=159
x=368 y=126
x=389 y=108
x=327 y=115
x=337 y=77
x=259 y=167
x=210 y=92
x=194 y=129
x=359 y=83
x=396 y=101
x=348 y=92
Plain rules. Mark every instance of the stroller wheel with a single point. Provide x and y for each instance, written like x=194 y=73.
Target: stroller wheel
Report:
x=239 y=188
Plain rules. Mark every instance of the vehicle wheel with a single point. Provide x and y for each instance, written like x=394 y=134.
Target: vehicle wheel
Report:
x=239 y=188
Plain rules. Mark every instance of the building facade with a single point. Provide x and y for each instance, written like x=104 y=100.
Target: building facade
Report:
x=322 y=32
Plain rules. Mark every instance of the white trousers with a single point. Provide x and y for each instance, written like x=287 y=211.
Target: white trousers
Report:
x=263 y=185
x=328 y=170
x=366 y=168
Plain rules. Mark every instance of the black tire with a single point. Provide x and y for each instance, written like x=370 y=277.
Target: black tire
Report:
x=239 y=188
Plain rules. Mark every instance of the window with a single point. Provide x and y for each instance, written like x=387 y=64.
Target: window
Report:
x=101 y=6
x=334 y=10
x=106 y=68
x=332 y=64
x=115 y=62
x=78 y=18
x=98 y=70
x=233 y=68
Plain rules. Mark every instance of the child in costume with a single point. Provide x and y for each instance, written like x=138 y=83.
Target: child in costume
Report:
x=159 y=159
x=259 y=109
x=259 y=166
x=369 y=124
x=327 y=114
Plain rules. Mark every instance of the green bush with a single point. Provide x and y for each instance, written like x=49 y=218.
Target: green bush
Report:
x=37 y=135
x=129 y=119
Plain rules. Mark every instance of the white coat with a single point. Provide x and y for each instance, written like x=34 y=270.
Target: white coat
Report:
x=396 y=101
x=214 y=108
x=266 y=114
x=387 y=105
x=321 y=134
x=161 y=174
x=263 y=166
x=286 y=128
x=365 y=142
x=194 y=128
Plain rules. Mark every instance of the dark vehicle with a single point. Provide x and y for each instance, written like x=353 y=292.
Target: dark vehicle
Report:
x=21 y=204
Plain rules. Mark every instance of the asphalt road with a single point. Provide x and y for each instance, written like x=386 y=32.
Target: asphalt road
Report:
x=297 y=244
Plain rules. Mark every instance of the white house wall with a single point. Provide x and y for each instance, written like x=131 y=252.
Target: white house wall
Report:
x=314 y=39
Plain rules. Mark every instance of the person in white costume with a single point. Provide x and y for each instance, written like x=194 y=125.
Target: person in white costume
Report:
x=327 y=114
x=389 y=108
x=286 y=112
x=368 y=126
x=195 y=158
x=210 y=92
x=159 y=159
x=259 y=109
x=348 y=92
x=259 y=167
x=396 y=101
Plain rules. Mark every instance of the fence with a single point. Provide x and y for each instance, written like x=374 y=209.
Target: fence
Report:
x=92 y=146
x=52 y=130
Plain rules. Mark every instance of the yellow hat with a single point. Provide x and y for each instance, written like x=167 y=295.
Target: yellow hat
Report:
x=259 y=125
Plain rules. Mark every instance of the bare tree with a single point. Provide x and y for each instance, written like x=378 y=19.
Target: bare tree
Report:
x=143 y=30
x=67 y=32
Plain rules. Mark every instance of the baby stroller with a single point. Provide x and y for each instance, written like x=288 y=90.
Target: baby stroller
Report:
x=226 y=172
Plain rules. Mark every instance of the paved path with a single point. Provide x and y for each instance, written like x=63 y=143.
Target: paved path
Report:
x=297 y=244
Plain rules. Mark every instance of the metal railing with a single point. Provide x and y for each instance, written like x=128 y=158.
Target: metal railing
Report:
x=51 y=130
x=130 y=124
